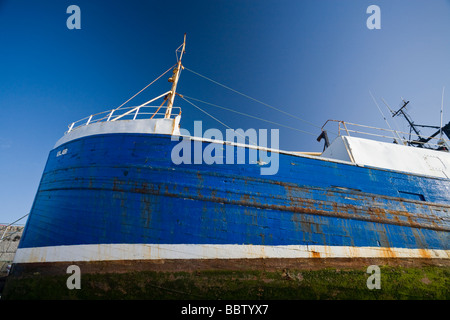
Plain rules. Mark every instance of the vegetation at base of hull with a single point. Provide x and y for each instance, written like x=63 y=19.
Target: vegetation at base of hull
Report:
x=397 y=283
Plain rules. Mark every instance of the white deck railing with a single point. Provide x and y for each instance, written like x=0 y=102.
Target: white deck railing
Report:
x=399 y=137
x=129 y=113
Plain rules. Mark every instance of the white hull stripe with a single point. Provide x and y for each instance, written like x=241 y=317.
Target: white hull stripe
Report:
x=105 y=252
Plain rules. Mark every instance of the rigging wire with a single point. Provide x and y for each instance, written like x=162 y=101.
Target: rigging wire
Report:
x=146 y=86
x=228 y=109
x=382 y=114
x=392 y=112
x=247 y=115
x=215 y=119
x=256 y=100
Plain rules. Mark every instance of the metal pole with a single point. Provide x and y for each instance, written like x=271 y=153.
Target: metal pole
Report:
x=177 y=72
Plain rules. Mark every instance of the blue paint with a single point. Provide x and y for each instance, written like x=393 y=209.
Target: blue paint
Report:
x=123 y=188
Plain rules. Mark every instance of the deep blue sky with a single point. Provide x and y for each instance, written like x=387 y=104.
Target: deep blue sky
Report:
x=314 y=59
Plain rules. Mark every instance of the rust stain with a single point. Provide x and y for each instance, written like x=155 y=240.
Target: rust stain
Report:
x=115 y=184
x=388 y=253
x=200 y=178
x=142 y=189
x=315 y=207
x=424 y=253
x=293 y=200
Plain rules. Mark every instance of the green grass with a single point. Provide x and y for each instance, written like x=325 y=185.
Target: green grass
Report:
x=396 y=283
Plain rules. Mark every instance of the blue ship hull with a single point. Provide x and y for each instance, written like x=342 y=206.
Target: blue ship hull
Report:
x=124 y=189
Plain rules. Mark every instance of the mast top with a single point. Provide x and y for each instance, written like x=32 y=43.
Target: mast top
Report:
x=174 y=79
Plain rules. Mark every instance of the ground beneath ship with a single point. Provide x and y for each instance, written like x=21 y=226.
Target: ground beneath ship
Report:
x=341 y=279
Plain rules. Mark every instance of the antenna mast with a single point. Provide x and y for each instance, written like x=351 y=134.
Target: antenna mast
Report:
x=174 y=79
x=422 y=141
x=411 y=124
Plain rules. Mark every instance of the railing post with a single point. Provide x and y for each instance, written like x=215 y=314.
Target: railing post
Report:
x=110 y=115
x=89 y=120
x=345 y=127
x=71 y=127
x=137 y=111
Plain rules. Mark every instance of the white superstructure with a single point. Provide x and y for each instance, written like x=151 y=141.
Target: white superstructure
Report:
x=390 y=156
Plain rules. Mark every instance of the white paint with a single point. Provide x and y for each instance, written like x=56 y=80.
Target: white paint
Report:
x=105 y=252
x=390 y=156
x=61 y=153
x=337 y=150
x=161 y=126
